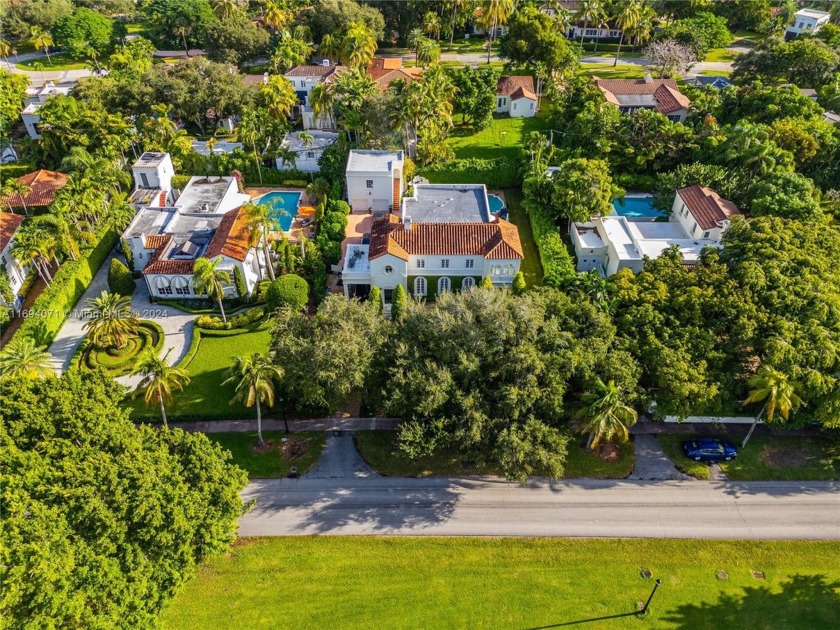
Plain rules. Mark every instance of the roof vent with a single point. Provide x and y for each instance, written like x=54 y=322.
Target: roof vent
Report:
x=648 y=78
x=326 y=62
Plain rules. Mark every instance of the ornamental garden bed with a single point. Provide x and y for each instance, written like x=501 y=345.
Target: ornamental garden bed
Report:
x=120 y=361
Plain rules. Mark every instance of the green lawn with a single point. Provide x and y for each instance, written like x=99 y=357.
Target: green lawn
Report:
x=767 y=458
x=59 y=61
x=205 y=396
x=608 y=71
x=716 y=73
x=503 y=138
x=531 y=266
x=582 y=462
x=719 y=54
x=275 y=462
x=401 y=583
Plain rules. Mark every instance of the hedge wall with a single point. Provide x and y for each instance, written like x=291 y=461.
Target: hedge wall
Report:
x=50 y=309
x=558 y=264
x=494 y=173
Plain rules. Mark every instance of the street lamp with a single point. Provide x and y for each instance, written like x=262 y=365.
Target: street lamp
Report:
x=644 y=609
x=283 y=411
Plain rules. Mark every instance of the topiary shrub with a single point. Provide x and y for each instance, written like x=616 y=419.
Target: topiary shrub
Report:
x=120 y=279
x=290 y=290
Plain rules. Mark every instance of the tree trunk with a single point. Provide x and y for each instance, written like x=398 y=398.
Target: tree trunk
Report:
x=618 y=52
x=590 y=439
x=259 y=423
x=269 y=265
x=163 y=412
x=186 y=49
x=490 y=43
x=585 y=23
x=752 y=428
x=221 y=308
x=452 y=34
x=597 y=39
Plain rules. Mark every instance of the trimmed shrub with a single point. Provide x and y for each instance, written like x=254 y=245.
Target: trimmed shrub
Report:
x=180 y=181
x=129 y=257
x=239 y=282
x=493 y=173
x=519 y=285
x=558 y=265
x=211 y=322
x=120 y=279
x=290 y=290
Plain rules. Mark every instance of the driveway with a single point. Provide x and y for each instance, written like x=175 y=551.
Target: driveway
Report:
x=340 y=459
x=586 y=508
x=651 y=461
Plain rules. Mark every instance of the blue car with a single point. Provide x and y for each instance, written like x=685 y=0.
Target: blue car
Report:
x=710 y=450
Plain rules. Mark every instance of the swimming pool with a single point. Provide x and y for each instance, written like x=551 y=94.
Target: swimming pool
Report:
x=497 y=204
x=636 y=208
x=283 y=206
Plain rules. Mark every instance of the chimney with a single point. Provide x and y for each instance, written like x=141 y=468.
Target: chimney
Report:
x=407 y=222
x=326 y=62
x=648 y=78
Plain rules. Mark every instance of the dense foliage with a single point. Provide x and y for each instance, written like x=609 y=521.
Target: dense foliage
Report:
x=120 y=279
x=288 y=291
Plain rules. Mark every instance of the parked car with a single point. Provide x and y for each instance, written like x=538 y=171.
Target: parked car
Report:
x=710 y=450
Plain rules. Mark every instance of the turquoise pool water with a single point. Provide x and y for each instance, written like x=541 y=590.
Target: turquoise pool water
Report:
x=636 y=208
x=283 y=206
x=497 y=204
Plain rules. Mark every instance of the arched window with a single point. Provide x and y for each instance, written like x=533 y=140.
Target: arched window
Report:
x=420 y=286
x=181 y=285
x=163 y=285
x=444 y=285
x=468 y=283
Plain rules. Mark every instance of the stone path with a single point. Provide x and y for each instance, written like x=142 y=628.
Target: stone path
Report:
x=652 y=464
x=340 y=459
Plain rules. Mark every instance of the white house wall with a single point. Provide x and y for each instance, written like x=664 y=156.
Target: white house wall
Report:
x=523 y=108
x=362 y=198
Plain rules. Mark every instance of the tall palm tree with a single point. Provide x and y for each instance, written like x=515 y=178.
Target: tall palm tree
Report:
x=254 y=377
x=494 y=13
x=291 y=51
x=21 y=357
x=35 y=244
x=358 y=46
x=779 y=395
x=456 y=4
x=431 y=25
x=428 y=52
x=42 y=40
x=322 y=102
x=261 y=222
x=16 y=187
x=279 y=96
x=207 y=280
x=110 y=320
x=600 y=23
x=158 y=380
x=182 y=30
x=225 y=8
x=276 y=16
x=590 y=11
x=605 y=415
x=639 y=33
x=415 y=36
x=627 y=16
x=330 y=47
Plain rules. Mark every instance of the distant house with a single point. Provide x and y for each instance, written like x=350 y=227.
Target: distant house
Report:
x=43 y=186
x=499 y=31
x=220 y=148
x=303 y=79
x=385 y=71
x=36 y=97
x=16 y=271
x=715 y=81
x=375 y=180
x=306 y=153
x=831 y=117
x=516 y=96
x=699 y=217
x=807 y=21
x=648 y=93
x=445 y=239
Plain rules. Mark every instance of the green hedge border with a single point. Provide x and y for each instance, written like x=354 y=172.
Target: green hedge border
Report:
x=198 y=333
x=494 y=173
x=558 y=264
x=80 y=357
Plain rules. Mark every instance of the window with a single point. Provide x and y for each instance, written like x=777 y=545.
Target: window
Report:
x=444 y=263
x=468 y=283
x=514 y=106
x=421 y=263
x=386 y=295
x=444 y=285
x=145 y=179
x=184 y=290
x=369 y=183
x=167 y=289
x=801 y=24
x=389 y=269
x=310 y=154
x=470 y=263
x=498 y=102
x=706 y=234
x=532 y=107
x=420 y=286
x=4 y=260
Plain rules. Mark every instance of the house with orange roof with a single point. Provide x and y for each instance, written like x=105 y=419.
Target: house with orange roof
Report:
x=9 y=265
x=42 y=187
x=386 y=70
x=303 y=79
x=444 y=238
x=516 y=96
x=630 y=95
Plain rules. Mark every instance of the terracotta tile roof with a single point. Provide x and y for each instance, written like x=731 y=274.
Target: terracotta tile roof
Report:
x=43 y=184
x=153 y=241
x=707 y=207
x=498 y=240
x=157 y=266
x=9 y=223
x=232 y=237
x=253 y=79
x=508 y=85
x=665 y=92
x=384 y=64
x=384 y=77
x=523 y=93
x=314 y=71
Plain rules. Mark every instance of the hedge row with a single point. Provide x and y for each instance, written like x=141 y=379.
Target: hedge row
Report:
x=149 y=333
x=207 y=322
x=493 y=173
x=50 y=309
x=558 y=265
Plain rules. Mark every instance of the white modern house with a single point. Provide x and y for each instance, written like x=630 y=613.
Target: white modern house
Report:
x=15 y=270
x=375 y=180
x=516 y=96
x=699 y=217
x=630 y=95
x=172 y=229
x=307 y=147
x=807 y=21
x=303 y=79
x=35 y=98
x=444 y=239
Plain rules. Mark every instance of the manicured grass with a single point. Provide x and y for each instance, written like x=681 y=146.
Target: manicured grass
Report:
x=402 y=583
x=58 y=61
x=205 y=396
x=713 y=73
x=272 y=463
x=767 y=458
x=719 y=54
x=504 y=138
x=608 y=71
x=583 y=462
x=530 y=266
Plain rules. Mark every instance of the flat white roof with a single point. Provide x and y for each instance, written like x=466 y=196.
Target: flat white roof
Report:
x=356 y=260
x=616 y=230
x=588 y=236
x=320 y=140
x=812 y=13
x=374 y=161
x=655 y=237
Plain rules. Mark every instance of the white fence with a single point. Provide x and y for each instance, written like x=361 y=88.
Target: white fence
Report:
x=712 y=419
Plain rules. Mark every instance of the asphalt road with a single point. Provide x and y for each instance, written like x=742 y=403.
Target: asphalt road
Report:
x=597 y=508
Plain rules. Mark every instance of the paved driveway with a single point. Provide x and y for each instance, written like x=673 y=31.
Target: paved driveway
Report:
x=340 y=459
x=651 y=461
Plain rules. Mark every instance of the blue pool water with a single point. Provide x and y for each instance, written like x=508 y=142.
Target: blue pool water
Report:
x=283 y=206
x=497 y=204
x=636 y=208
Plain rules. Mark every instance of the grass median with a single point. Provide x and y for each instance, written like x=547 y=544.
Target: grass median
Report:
x=276 y=459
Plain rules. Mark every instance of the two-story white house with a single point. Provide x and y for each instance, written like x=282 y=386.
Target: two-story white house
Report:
x=13 y=268
x=375 y=180
x=444 y=239
x=307 y=150
x=172 y=229
x=303 y=79
x=699 y=217
x=630 y=95
x=516 y=96
x=35 y=98
x=808 y=22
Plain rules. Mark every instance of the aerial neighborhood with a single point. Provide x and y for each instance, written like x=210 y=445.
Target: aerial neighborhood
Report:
x=439 y=314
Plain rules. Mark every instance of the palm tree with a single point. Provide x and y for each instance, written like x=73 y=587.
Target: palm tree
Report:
x=158 y=380
x=427 y=53
x=639 y=33
x=276 y=16
x=182 y=30
x=42 y=40
x=590 y=11
x=494 y=13
x=280 y=97
x=17 y=187
x=207 y=280
x=431 y=25
x=322 y=102
x=36 y=244
x=456 y=4
x=5 y=49
x=290 y=51
x=628 y=15
x=225 y=8
x=306 y=137
x=772 y=387
x=601 y=22
x=254 y=377
x=605 y=415
x=330 y=47
x=111 y=321
x=358 y=45
x=415 y=36
x=21 y=357
x=261 y=222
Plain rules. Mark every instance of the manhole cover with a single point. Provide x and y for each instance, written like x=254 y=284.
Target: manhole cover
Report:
x=758 y=575
x=645 y=573
x=722 y=575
